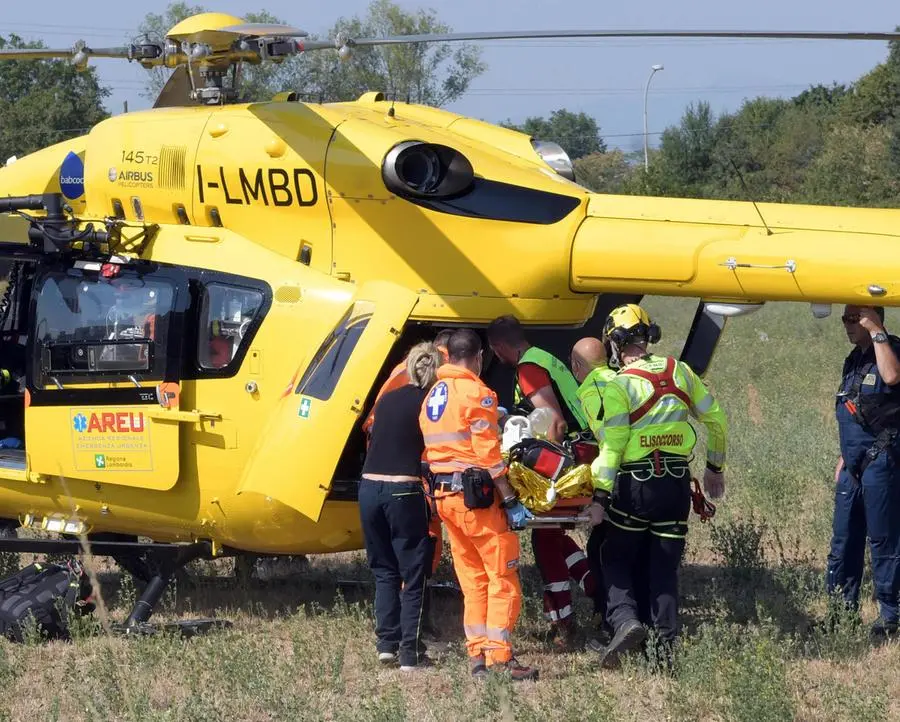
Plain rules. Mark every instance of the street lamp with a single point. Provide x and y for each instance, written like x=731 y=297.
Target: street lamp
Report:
x=653 y=70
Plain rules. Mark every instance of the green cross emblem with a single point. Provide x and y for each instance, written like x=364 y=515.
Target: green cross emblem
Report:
x=304 y=408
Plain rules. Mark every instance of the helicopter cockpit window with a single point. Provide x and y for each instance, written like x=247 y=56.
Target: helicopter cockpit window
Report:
x=225 y=315
x=109 y=327
x=326 y=368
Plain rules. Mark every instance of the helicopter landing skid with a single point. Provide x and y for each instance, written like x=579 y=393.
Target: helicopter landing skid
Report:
x=186 y=628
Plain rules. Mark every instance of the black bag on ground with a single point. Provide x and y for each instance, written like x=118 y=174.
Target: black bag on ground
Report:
x=48 y=592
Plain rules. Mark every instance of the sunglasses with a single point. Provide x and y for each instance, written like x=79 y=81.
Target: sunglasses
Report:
x=851 y=318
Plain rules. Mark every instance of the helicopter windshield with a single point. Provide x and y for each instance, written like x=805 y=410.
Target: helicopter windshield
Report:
x=97 y=326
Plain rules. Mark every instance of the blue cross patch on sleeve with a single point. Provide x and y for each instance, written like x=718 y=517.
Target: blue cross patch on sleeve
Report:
x=437 y=401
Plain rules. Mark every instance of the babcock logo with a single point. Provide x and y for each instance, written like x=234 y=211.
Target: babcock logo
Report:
x=71 y=177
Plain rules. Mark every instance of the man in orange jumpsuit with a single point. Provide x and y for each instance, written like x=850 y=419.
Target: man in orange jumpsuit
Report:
x=462 y=447
x=397 y=379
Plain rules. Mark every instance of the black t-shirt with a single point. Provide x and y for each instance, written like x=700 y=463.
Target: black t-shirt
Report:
x=396 y=445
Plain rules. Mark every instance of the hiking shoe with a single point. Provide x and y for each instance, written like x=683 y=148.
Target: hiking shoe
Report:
x=477 y=666
x=388 y=658
x=518 y=672
x=628 y=638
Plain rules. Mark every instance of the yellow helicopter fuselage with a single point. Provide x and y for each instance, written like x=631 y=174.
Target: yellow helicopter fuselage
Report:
x=277 y=235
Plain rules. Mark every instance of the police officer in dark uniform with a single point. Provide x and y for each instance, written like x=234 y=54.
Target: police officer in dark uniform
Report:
x=867 y=475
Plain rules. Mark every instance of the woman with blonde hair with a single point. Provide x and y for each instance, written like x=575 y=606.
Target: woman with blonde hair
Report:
x=395 y=513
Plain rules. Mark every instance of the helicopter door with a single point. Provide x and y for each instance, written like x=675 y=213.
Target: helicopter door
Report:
x=103 y=376
x=297 y=454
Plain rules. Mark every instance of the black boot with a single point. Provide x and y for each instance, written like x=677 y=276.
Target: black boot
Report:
x=882 y=631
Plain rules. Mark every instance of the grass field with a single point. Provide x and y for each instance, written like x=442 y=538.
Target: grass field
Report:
x=752 y=584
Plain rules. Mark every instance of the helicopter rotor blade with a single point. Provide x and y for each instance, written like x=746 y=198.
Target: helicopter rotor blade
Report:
x=550 y=34
x=148 y=54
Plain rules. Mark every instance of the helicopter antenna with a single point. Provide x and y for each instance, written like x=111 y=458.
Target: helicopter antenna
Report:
x=747 y=191
x=391 y=110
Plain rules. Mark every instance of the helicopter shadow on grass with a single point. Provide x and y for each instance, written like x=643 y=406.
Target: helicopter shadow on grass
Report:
x=324 y=585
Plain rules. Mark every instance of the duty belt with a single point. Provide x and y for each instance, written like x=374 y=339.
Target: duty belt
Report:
x=448 y=482
x=883 y=443
x=656 y=466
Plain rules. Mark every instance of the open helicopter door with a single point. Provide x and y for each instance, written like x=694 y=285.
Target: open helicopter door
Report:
x=102 y=400
x=298 y=451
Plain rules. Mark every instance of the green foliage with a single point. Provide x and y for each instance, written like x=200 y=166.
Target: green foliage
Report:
x=603 y=172
x=577 y=133
x=856 y=167
x=43 y=102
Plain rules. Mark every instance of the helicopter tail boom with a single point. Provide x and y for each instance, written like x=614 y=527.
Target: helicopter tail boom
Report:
x=737 y=250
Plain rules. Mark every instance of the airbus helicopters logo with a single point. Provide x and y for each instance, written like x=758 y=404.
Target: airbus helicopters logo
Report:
x=71 y=177
x=131 y=178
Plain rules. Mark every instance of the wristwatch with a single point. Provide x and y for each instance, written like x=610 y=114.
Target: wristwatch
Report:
x=880 y=337
x=509 y=502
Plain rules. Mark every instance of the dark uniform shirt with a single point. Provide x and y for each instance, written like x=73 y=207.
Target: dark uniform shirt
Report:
x=860 y=370
x=396 y=447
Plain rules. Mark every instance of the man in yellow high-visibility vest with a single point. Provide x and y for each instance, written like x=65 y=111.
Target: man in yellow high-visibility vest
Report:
x=642 y=476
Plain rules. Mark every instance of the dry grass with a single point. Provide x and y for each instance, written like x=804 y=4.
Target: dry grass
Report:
x=754 y=646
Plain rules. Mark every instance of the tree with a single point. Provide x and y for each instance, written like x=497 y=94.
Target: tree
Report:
x=683 y=165
x=604 y=172
x=821 y=96
x=429 y=73
x=43 y=102
x=854 y=168
x=577 y=133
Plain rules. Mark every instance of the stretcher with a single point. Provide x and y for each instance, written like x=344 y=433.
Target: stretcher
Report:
x=566 y=514
x=562 y=504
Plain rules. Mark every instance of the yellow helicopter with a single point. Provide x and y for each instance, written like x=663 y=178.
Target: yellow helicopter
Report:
x=205 y=296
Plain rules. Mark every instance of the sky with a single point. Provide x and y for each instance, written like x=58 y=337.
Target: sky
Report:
x=603 y=78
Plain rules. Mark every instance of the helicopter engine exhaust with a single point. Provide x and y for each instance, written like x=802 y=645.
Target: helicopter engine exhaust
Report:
x=413 y=169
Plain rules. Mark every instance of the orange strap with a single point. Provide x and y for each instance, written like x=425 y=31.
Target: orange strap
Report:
x=663 y=385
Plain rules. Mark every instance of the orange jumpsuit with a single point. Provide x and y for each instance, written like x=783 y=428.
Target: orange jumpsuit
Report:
x=397 y=379
x=460 y=425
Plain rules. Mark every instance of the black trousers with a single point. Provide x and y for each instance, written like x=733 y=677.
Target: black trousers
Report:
x=642 y=550
x=395 y=519
x=641 y=591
